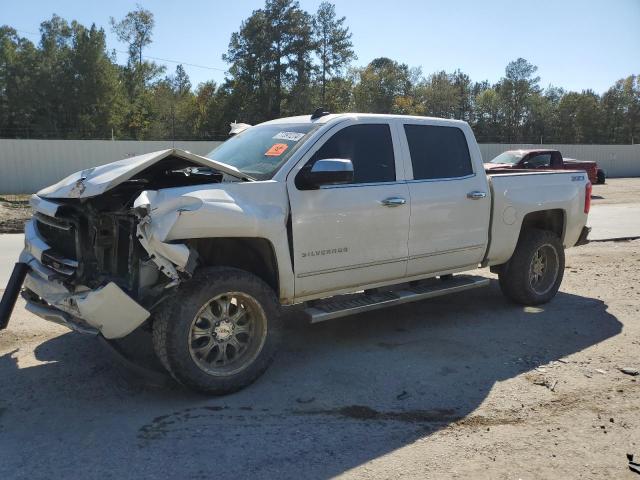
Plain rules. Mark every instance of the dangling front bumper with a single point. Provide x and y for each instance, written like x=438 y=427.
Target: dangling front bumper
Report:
x=107 y=310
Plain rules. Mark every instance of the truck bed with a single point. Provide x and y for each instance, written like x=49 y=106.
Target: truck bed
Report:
x=517 y=193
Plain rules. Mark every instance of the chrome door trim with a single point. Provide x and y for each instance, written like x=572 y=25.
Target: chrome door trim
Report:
x=384 y=262
x=445 y=252
x=350 y=267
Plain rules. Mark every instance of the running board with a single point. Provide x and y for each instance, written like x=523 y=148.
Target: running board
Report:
x=343 y=305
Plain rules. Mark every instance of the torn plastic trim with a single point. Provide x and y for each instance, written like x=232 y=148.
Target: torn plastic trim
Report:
x=154 y=223
x=108 y=309
x=57 y=316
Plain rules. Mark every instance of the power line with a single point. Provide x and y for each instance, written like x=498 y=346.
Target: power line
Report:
x=178 y=62
x=206 y=67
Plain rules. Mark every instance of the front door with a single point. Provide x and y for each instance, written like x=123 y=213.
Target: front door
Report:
x=355 y=234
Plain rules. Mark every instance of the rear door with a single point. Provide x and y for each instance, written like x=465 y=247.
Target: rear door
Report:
x=450 y=200
x=355 y=234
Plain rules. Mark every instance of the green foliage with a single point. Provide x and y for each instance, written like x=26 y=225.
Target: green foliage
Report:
x=135 y=30
x=282 y=61
x=270 y=59
x=333 y=44
x=383 y=86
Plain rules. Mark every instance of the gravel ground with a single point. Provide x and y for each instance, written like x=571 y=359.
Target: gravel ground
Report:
x=464 y=386
x=13 y=213
x=616 y=190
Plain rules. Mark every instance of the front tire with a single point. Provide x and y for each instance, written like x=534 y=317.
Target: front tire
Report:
x=220 y=331
x=602 y=177
x=533 y=274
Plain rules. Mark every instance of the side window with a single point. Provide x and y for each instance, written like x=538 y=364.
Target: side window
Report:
x=539 y=161
x=368 y=146
x=438 y=152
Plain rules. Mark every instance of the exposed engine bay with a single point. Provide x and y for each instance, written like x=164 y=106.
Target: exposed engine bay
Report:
x=101 y=239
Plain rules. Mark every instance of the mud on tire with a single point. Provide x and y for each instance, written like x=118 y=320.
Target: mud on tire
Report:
x=220 y=331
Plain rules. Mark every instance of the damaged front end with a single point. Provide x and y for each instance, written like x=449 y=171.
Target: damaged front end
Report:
x=93 y=261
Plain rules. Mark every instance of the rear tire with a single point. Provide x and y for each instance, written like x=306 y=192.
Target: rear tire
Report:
x=602 y=177
x=220 y=331
x=533 y=274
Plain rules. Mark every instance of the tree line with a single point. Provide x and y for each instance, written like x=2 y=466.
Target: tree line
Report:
x=282 y=61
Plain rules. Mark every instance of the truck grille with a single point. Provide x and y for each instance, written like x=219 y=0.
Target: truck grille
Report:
x=60 y=235
x=90 y=247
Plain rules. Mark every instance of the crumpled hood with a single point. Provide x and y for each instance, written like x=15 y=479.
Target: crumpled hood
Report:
x=97 y=180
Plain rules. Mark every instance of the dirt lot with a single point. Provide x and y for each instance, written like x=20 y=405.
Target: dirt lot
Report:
x=14 y=211
x=617 y=190
x=465 y=386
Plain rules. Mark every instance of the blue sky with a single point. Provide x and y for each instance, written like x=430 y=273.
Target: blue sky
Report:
x=576 y=44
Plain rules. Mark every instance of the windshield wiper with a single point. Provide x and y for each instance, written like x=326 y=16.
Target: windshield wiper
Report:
x=188 y=171
x=243 y=176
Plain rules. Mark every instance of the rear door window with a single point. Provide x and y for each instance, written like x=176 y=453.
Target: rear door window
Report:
x=438 y=152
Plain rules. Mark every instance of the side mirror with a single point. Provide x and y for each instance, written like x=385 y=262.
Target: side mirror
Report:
x=330 y=171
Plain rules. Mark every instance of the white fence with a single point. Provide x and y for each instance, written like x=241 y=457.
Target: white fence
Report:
x=28 y=165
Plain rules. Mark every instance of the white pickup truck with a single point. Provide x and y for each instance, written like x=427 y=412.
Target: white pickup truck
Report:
x=337 y=214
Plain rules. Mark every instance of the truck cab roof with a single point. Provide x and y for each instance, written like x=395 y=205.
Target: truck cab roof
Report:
x=359 y=116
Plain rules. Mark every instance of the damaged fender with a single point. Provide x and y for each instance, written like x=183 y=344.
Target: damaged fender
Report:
x=153 y=226
x=243 y=210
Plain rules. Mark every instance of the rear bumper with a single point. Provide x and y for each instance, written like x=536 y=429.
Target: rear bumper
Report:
x=583 y=240
x=107 y=309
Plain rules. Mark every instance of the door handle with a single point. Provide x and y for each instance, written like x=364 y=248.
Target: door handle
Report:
x=476 y=195
x=393 y=202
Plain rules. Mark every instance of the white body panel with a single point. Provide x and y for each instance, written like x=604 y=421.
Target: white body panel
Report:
x=448 y=230
x=250 y=210
x=517 y=194
x=343 y=236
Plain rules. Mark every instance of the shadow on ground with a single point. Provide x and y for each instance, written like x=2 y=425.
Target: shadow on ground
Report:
x=339 y=394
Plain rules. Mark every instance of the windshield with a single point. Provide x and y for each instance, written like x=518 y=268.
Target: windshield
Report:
x=259 y=151
x=508 y=157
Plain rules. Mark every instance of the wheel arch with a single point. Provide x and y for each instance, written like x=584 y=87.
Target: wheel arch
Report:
x=553 y=220
x=251 y=254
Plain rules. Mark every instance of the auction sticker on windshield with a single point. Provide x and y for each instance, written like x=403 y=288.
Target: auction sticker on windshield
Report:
x=291 y=136
x=276 y=150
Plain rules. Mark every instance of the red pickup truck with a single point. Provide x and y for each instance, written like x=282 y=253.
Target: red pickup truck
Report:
x=544 y=159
